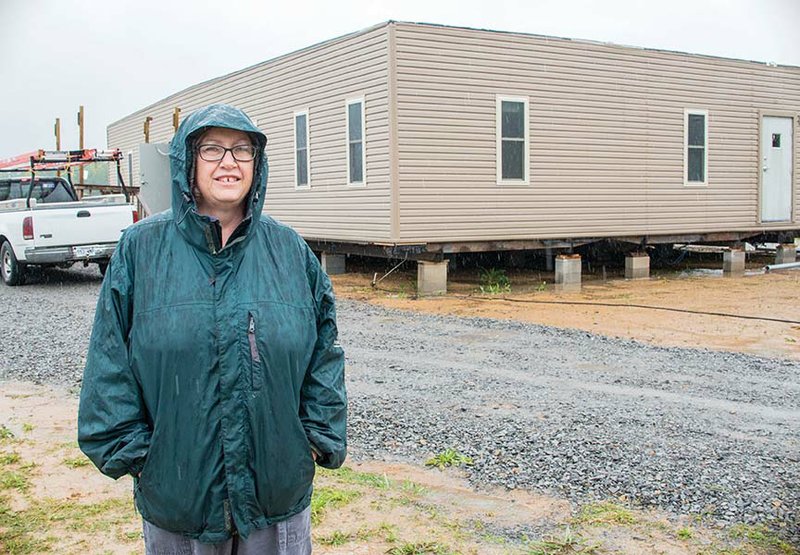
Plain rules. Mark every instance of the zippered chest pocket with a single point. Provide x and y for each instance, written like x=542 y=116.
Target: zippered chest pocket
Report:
x=256 y=372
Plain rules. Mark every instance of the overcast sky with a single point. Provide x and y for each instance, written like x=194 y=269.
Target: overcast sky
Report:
x=119 y=56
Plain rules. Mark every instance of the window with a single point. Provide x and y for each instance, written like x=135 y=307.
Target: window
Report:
x=355 y=142
x=44 y=191
x=301 y=163
x=695 y=146
x=512 y=140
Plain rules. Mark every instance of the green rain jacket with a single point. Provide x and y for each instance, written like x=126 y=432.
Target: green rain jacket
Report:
x=214 y=371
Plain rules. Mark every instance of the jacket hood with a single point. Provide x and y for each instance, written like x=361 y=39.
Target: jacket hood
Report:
x=182 y=164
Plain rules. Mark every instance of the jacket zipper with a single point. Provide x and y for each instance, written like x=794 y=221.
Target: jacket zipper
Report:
x=255 y=357
x=226 y=511
x=210 y=240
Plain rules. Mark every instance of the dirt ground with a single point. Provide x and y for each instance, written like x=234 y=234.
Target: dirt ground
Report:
x=758 y=296
x=52 y=500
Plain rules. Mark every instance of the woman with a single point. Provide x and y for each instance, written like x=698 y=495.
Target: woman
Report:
x=214 y=375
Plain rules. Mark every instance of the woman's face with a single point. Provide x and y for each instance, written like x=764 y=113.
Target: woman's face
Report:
x=222 y=185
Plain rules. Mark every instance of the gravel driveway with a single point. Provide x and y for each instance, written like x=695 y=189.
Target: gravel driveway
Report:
x=558 y=411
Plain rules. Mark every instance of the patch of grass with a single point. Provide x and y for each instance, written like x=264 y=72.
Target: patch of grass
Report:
x=350 y=476
x=389 y=532
x=28 y=428
x=412 y=488
x=684 y=534
x=130 y=536
x=762 y=537
x=11 y=479
x=421 y=548
x=335 y=539
x=604 y=513
x=568 y=542
x=9 y=458
x=20 y=530
x=15 y=476
x=5 y=433
x=495 y=539
x=494 y=281
x=91 y=517
x=20 y=542
x=541 y=287
x=448 y=457
x=325 y=498
x=75 y=462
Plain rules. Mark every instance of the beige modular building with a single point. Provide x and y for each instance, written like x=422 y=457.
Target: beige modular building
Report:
x=417 y=140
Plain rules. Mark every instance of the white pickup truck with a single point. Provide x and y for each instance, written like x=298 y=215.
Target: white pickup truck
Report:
x=49 y=226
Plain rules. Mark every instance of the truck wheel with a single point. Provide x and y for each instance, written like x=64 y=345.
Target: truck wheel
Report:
x=12 y=272
x=103 y=267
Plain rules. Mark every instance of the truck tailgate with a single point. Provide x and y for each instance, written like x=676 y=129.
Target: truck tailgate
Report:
x=86 y=224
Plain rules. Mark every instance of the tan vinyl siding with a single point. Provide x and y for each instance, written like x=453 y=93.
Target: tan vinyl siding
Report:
x=606 y=128
x=318 y=79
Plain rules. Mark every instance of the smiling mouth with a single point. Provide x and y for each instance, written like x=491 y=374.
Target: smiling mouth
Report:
x=228 y=179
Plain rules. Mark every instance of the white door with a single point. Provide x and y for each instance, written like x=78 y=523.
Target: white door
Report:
x=776 y=169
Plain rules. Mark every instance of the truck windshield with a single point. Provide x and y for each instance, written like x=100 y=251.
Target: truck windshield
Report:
x=43 y=191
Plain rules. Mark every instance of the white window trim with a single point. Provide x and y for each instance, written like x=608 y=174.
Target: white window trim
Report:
x=499 y=140
x=348 y=102
x=686 y=113
x=308 y=149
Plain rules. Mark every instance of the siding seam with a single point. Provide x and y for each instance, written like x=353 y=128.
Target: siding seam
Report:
x=394 y=197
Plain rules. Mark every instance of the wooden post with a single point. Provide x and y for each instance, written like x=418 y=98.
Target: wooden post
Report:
x=80 y=141
x=176 y=118
x=57 y=131
x=147 y=121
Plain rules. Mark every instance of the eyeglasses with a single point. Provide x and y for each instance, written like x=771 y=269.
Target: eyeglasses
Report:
x=215 y=153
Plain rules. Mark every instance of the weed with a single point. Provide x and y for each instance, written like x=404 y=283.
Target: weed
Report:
x=569 y=542
x=5 y=433
x=335 y=539
x=10 y=479
x=448 y=457
x=9 y=458
x=494 y=281
x=412 y=488
x=28 y=428
x=20 y=530
x=76 y=462
x=684 y=534
x=604 y=513
x=494 y=538
x=422 y=548
x=389 y=532
x=325 y=497
x=762 y=537
x=351 y=476
x=131 y=536
x=542 y=286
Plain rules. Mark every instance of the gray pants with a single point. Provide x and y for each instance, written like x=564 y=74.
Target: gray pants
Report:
x=289 y=537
